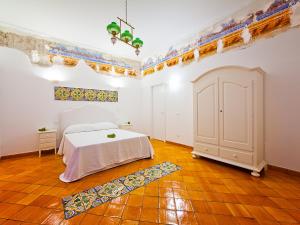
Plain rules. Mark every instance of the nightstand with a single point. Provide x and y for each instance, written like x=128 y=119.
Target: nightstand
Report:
x=47 y=140
x=125 y=126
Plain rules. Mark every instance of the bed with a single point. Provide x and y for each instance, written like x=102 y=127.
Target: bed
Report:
x=86 y=149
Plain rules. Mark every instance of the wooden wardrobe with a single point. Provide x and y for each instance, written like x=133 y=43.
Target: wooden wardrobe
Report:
x=228 y=117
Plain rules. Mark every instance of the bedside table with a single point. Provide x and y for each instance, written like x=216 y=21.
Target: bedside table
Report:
x=47 y=140
x=125 y=126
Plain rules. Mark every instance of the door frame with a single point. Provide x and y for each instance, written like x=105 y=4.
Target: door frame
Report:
x=164 y=106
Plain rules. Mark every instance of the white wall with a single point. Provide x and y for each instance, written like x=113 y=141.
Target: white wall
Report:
x=279 y=58
x=27 y=98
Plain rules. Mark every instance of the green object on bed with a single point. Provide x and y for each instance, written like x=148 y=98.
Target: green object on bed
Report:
x=111 y=135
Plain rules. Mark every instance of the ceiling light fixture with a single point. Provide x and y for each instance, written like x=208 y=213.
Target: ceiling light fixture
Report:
x=127 y=37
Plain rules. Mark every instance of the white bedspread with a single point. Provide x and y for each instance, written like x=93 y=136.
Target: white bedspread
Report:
x=88 y=152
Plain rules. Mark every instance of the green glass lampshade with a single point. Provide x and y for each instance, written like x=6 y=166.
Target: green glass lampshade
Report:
x=113 y=28
x=137 y=43
x=126 y=36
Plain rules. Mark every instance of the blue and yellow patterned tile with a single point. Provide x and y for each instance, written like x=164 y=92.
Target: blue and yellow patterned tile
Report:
x=78 y=203
x=73 y=205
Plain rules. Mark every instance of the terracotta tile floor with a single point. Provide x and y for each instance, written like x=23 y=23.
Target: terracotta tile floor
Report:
x=203 y=192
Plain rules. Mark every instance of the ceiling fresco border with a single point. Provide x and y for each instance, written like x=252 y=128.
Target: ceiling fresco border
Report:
x=46 y=53
x=279 y=16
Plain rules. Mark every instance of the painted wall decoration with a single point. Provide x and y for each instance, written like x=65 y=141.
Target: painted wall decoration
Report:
x=278 y=16
x=81 y=94
x=99 y=62
x=47 y=53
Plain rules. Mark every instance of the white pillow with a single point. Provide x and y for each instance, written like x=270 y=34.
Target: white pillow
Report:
x=84 y=127
x=105 y=126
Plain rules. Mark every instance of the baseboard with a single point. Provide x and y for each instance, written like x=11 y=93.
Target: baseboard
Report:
x=26 y=154
x=181 y=145
x=284 y=170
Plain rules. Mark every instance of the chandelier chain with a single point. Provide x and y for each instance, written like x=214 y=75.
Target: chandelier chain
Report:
x=126 y=10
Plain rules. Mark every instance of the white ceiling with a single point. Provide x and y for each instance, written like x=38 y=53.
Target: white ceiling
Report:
x=160 y=23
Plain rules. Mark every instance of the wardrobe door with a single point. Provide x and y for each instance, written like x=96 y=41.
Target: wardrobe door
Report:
x=206 y=110
x=236 y=111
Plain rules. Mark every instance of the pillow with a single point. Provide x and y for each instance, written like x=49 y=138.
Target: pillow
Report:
x=84 y=127
x=105 y=126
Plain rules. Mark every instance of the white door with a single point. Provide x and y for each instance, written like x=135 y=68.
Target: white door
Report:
x=158 y=112
x=206 y=111
x=236 y=110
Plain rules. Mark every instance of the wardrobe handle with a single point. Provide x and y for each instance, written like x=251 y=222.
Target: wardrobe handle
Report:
x=221 y=110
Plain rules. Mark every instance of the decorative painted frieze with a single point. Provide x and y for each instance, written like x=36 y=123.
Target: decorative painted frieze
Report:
x=160 y=66
x=278 y=16
x=81 y=94
x=188 y=57
x=47 y=53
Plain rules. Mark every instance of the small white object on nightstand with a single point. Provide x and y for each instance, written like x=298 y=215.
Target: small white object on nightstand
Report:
x=125 y=126
x=47 y=140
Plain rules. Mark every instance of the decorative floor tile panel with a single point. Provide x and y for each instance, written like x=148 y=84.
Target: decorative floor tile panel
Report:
x=80 y=202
